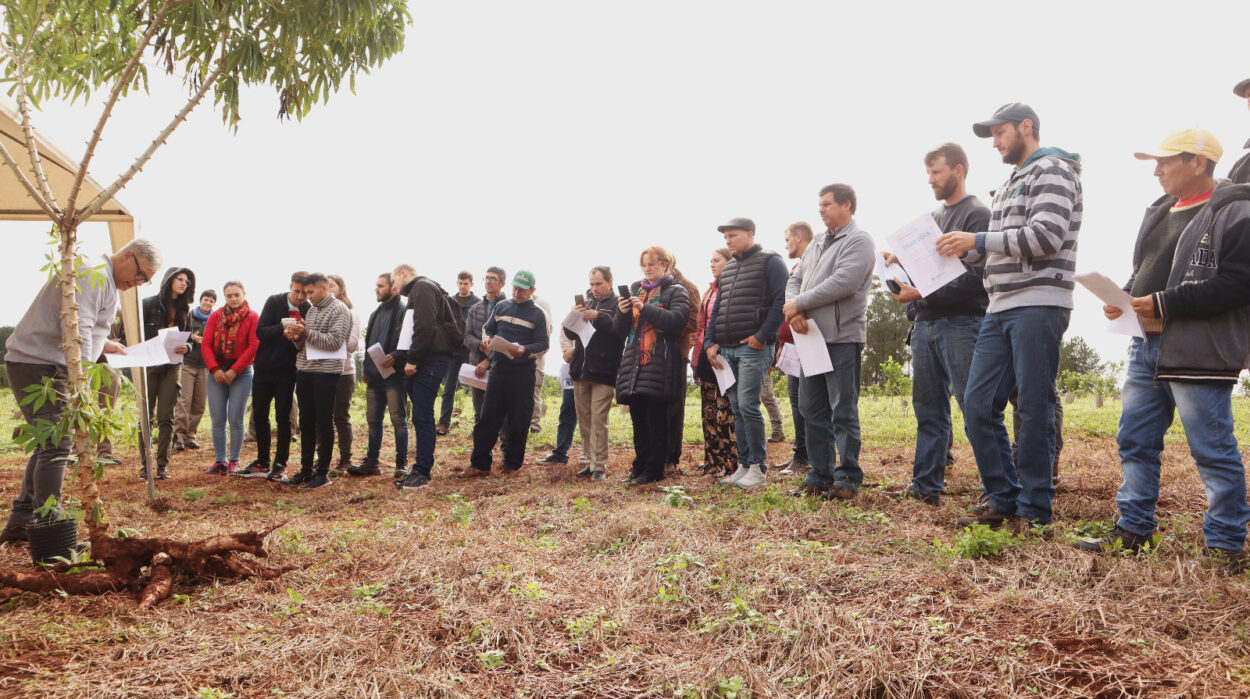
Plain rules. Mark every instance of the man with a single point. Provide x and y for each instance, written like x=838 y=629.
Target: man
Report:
x=567 y=421
x=798 y=236
x=593 y=369
x=945 y=326
x=451 y=383
x=741 y=332
x=33 y=353
x=194 y=379
x=384 y=394
x=1240 y=174
x=677 y=408
x=509 y=387
x=437 y=333
x=106 y=397
x=1029 y=256
x=540 y=408
x=273 y=381
x=828 y=293
x=473 y=322
x=1190 y=289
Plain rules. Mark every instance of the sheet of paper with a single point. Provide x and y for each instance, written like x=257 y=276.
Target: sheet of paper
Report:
x=315 y=354
x=1111 y=294
x=566 y=381
x=171 y=339
x=405 y=332
x=498 y=344
x=378 y=355
x=915 y=245
x=469 y=378
x=574 y=321
x=725 y=378
x=894 y=271
x=788 y=360
x=812 y=351
x=145 y=354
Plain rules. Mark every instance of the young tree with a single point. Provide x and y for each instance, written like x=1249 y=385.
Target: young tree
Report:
x=1078 y=357
x=887 y=337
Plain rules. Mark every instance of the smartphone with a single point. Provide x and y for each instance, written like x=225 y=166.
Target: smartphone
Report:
x=579 y=300
x=623 y=291
x=893 y=286
x=294 y=313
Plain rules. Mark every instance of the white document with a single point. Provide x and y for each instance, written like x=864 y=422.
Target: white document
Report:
x=171 y=340
x=812 y=350
x=788 y=360
x=915 y=246
x=468 y=377
x=574 y=321
x=144 y=354
x=1111 y=294
x=566 y=381
x=405 y=332
x=315 y=354
x=725 y=378
x=498 y=344
x=376 y=353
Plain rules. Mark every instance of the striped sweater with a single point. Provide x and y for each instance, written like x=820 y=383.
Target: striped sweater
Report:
x=1029 y=252
x=327 y=326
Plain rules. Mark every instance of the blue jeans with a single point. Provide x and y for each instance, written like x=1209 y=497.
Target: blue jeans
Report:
x=750 y=367
x=800 y=428
x=1017 y=348
x=422 y=390
x=1206 y=412
x=229 y=403
x=830 y=406
x=941 y=354
x=451 y=384
x=387 y=395
x=567 y=425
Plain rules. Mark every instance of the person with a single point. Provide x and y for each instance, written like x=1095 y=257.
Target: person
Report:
x=567 y=421
x=347 y=381
x=106 y=397
x=768 y=399
x=451 y=383
x=593 y=367
x=385 y=393
x=274 y=380
x=509 y=398
x=229 y=348
x=742 y=333
x=478 y=315
x=652 y=320
x=193 y=379
x=168 y=309
x=1240 y=172
x=945 y=326
x=828 y=293
x=33 y=353
x=1190 y=289
x=325 y=328
x=437 y=333
x=1029 y=256
x=798 y=236
x=720 y=447
x=540 y=407
x=677 y=408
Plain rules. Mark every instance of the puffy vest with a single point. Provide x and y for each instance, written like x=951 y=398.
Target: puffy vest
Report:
x=743 y=296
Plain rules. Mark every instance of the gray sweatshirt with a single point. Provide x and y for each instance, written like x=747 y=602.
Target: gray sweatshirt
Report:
x=37 y=337
x=327 y=327
x=831 y=282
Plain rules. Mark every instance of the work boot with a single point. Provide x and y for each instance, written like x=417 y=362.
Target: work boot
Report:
x=586 y=472
x=368 y=467
x=778 y=436
x=1128 y=542
x=983 y=514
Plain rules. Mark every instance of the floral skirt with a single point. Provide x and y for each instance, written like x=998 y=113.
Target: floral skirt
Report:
x=720 y=447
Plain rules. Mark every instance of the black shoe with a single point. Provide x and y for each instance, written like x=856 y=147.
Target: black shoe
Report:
x=645 y=479
x=414 y=481
x=400 y=473
x=597 y=475
x=162 y=473
x=1128 y=542
x=179 y=446
x=364 y=468
x=910 y=493
x=554 y=458
x=983 y=514
x=1229 y=561
x=191 y=444
x=317 y=481
x=13 y=534
x=586 y=472
x=275 y=473
x=256 y=469
x=298 y=478
x=143 y=474
x=440 y=429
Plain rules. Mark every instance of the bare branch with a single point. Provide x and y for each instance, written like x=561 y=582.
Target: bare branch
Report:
x=53 y=214
x=28 y=132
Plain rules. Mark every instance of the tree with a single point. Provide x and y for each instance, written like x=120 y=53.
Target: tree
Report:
x=887 y=337
x=1077 y=357
x=69 y=49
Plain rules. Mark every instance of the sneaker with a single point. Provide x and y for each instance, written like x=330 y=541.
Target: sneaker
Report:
x=441 y=429
x=415 y=481
x=597 y=475
x=400 y=473
x=586 y=472
x=143 y=474
x=473 y=473
x=275 y=473
x=554 y=458
x=754 y=477
x=1128 y=542
x=364 y=468
x=583 y=461
x=297 y=478
x=256 y=469
x=162 y=473
x=735 y=476
x=179 y=446
x=191 y=444
x=1229 y=561
x=317 y=481
x=232 y=467
x=983 y=514
x=535 y=430
x=218 y=467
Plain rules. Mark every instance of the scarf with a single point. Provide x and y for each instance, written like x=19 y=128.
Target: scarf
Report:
x=650 y=293
x=709 y=302
x=199 y=315
x=227 y=331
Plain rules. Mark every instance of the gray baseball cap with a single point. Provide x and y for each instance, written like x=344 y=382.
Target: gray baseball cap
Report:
x=740 y=223
x=1014 y=112
x=1242 y=89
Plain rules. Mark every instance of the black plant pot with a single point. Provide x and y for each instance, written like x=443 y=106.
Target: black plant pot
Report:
x=47 y=541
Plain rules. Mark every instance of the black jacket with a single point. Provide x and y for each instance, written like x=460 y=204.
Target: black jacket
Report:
x=663 y=378
x=384 y=325
x=275 y=353
x=432 y=317
x=156 y=308
x=598 y=362
x=752 y=292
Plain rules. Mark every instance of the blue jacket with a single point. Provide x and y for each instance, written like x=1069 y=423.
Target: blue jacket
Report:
x=522 y=323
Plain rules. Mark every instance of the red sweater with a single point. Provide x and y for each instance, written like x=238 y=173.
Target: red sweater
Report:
x=244 y=346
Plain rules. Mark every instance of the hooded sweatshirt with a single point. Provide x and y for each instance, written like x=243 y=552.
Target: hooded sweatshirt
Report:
x=156 y=309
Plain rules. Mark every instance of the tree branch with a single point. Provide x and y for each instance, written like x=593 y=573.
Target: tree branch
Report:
x=53 y=214
x=28 y=132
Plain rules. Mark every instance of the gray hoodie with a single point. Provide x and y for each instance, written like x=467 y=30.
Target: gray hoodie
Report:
x=830 y=284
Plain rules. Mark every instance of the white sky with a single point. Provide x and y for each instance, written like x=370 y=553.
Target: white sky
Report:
x=555 y=136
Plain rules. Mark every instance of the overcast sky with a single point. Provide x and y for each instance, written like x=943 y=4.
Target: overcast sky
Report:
x=555 y=136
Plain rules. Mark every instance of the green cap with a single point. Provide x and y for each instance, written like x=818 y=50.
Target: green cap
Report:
x=524 y=279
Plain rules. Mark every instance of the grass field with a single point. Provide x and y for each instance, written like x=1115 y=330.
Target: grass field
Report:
x=545 y=585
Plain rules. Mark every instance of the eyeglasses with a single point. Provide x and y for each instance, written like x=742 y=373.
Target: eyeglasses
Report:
x=491 y=278
x=140 y=277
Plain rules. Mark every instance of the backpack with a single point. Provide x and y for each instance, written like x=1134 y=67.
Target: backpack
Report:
x=449 y=333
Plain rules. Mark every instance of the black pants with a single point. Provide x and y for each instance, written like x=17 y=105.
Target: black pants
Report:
x=676 y=411
x=651 y=428
x=315 y=393
x=271 y=387
x=509 y=401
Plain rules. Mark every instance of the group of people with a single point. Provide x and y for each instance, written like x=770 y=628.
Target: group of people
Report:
x=989 y=337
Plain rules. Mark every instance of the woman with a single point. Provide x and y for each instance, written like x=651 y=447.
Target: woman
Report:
x=720 y=448
x=228 y=349
x=347 y=381
x=652 y=370
x=171 y=308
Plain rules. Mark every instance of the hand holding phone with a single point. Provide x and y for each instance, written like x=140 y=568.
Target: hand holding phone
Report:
x=623 y=291
x=579 y=300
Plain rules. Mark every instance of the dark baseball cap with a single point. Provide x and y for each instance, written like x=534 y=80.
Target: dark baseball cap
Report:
x=1014 y=112
x=1242 y=89
x=740 y=223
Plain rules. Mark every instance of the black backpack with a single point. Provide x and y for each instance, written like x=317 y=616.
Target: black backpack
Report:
x=449 y=334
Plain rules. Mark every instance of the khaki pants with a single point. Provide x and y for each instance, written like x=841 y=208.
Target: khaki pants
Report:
x=594 y=406
x=106 y=397
x=162 y=395
x=770 y=403
x=191 y=400
x=536 y=422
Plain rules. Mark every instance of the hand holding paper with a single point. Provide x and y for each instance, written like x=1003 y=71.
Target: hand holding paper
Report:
x=1111 y=294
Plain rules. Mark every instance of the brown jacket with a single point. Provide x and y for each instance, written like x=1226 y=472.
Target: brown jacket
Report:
x=692 y=322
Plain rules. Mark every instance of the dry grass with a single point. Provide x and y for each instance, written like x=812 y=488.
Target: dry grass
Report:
x=545 y=585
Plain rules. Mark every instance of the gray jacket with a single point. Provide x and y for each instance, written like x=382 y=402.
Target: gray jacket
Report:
x=37 y=337
x=475 y=317
x=830 y=285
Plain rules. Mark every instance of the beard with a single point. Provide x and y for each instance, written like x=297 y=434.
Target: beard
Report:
x=1015 y=154
x=945 y=191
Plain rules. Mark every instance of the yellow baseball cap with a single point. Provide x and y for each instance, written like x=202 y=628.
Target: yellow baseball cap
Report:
x=1194 y=140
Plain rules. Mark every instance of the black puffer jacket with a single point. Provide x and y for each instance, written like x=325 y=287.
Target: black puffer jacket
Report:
x=598 y=363
x=156 y=308
x=663 y=377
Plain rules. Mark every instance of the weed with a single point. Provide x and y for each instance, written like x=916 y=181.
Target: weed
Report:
x=490 y=659
x=978 y=541
x=368 y=591
x=212 y=693
x=731 y=688
x=227 y=499
x=581 y=506
x=611 y=548
x=675 y=496
x=939 y=626
x=582 y=628
x=671 y=568
x=290 y=508
x=194 y=495
x=461 y=510
x=530 y=591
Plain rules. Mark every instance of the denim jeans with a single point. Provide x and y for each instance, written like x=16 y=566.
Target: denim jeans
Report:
x=750 y=367
x=387 y=396
x=941 y=354
x=229 y=404
x=1207 y=414
x=830 y=406
x=567 y=425
x=800 y=428
x=1017 y=348
x=422 y=390
x=451 y=384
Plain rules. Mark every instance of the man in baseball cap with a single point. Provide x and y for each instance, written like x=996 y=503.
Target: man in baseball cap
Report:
x=1240 y=173
x=1191 y=267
